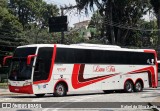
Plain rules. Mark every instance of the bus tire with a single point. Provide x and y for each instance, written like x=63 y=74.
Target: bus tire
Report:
x=39 y=95
x=138 y=87
x=128 y=87
x=60 y=90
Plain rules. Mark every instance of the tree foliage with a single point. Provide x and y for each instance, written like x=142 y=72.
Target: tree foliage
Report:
x=21 y=21
x=156 y=8
x=11 y=34
x=156 y=5
x=120 y=16
x=138 y=38
x=32 y=11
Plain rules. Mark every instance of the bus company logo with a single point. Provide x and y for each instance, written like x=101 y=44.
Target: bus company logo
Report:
x=98 y=68
x=61 y=69
x=110 y=69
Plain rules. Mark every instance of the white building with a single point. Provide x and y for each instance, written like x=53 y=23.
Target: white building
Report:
x=83 y=28
x=83 y=24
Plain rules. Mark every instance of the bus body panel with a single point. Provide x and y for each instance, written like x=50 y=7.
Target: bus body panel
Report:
x=62 y=72
x=43 y=88
x=84 y=76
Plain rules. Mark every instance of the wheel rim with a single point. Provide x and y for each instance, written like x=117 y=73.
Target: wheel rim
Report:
x=129 y=86
x=60 y=90
x=138 y=87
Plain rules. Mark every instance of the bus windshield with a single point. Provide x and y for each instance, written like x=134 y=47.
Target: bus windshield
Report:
x=19 y=70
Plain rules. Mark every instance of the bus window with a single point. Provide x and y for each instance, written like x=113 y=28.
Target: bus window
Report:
x=19 y=69
x=65 y=55
x=43 y=64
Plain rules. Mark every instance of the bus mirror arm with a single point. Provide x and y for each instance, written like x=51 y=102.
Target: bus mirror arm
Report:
x=29 y=59
x=5 y=59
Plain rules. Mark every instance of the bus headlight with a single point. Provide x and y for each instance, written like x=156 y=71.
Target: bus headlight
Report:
x=27 y=83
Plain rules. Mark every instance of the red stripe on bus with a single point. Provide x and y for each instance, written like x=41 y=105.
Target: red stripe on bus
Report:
x=77 y=77
x=51 y=68
x=150 y=69
x=21 y=89
x=155 y=54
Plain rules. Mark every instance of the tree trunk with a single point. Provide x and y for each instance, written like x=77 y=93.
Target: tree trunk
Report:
x=111 y=27
x=119 y=37
x=158 y=22
x=124 y=37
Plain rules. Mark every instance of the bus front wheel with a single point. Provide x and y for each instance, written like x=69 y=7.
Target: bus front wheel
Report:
x=60 y=90
x=128 y=87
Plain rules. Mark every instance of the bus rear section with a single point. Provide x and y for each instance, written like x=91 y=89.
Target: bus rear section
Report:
x=41 y=69
x=105 y=69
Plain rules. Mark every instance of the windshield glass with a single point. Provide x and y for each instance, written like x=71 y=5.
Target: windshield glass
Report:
x=20 y=71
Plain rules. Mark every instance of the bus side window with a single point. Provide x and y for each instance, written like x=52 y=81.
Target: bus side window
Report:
x=43 y=63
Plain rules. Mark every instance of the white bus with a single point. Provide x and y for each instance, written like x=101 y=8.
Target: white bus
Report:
x=45 y=68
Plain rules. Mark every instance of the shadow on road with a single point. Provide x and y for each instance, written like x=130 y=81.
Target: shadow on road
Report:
x=68 y=95
x=83 y=94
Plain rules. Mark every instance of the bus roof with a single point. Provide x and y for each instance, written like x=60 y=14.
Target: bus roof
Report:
x=96 y=45
x=87 y=46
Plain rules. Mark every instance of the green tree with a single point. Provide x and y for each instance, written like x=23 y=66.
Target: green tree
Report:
x=156 y=7
x=41 y=36
x=144 y=36
x=3 y=3
x=11 y=34
x=49 y=11
x=127 y=14
x=21 y=21
x=34 y=15
x=73 y=37
x=32 y=11
x=117 y=14
x=97 y=23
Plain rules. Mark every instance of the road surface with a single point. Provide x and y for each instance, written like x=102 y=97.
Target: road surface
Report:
x=98 y=97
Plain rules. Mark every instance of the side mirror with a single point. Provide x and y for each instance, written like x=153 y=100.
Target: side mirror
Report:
x=5 y=59
x=29 y=59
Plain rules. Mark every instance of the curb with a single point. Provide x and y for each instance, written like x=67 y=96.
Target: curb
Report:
x=6 y=94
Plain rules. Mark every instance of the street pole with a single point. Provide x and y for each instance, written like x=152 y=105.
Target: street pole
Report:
x=62 y=14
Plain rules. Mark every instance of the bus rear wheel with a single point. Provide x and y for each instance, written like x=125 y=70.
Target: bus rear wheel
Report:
x=39 y=95
x=60 y=90
x=128 y=87
x=138 y=87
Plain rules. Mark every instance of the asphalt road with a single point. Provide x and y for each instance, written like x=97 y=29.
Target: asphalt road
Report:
x=72 y=100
